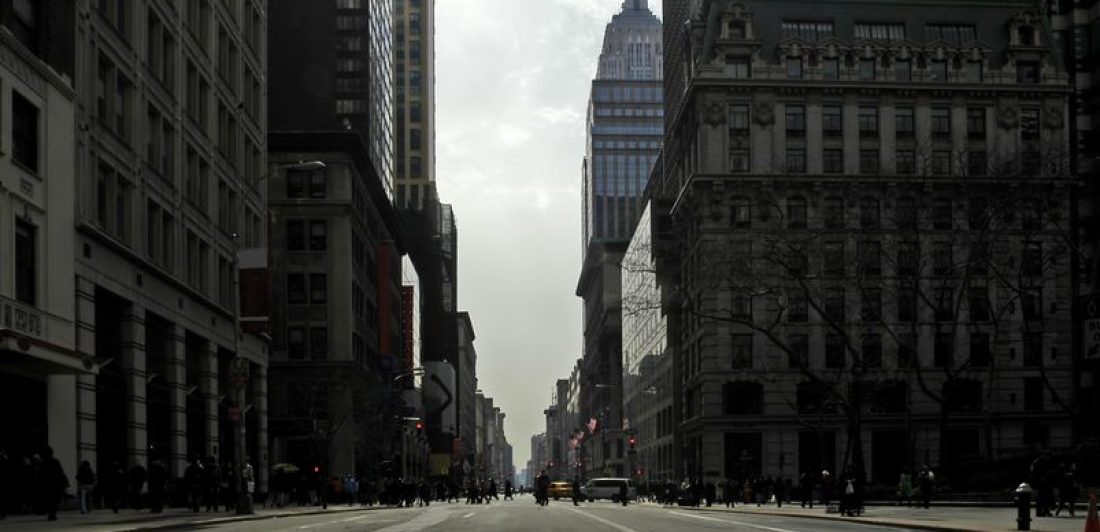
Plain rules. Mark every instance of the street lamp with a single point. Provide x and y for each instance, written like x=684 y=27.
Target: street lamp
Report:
x=240 y=374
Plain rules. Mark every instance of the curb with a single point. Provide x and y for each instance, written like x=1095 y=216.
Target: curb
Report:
x=829 y=517
x=195 y=523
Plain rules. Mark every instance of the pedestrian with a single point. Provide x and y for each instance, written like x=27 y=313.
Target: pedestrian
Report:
x=52 y=483
x=85 y=483
x=508 y=490
x=623 y=494
x=158 y=485
x=927 y=479
x=227 y=485
x=576 y=490
x=136 y=478
x=711 y=493
x=193 y=481
x=351 y=488
x=7 y=482
x=905 y=488
x=1067 y=492
x=730 y=492
x=780 y=492
x=114 y=486
x=211 y=484
x=826 y=488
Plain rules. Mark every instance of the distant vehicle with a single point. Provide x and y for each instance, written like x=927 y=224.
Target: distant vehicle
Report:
x=608 y=488
x=560 y=489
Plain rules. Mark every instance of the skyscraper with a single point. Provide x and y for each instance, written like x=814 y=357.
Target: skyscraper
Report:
x=414 y=102
x=624 y=124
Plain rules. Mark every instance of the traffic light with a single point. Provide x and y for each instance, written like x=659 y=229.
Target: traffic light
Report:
x=419 y=425
x=632 y=442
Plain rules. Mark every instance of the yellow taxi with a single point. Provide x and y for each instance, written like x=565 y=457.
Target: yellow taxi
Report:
x=560 y=489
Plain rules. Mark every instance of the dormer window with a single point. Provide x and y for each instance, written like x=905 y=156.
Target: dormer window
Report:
x=737 y=30
x=1026 y=35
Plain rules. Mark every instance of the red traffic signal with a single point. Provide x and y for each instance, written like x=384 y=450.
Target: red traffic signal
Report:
x=632 y=441
x=316 y=469
x=419 y=425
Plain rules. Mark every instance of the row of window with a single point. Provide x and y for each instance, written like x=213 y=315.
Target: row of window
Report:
x=951 y=33
x=886 y=69
x=906 y=213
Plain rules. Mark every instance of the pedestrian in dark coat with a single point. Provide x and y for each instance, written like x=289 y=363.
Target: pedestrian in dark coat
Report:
x=158 y=485
x=780 y=490
x=211 y=484
x=85 y=483
x=711 y=493
x=52 y=483
x=806 y=489
x=927 y=480
x=137 y=477
x=193 y=481
x=114 y=486
x=1067 y=492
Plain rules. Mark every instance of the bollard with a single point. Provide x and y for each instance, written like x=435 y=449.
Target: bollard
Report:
x=1023 y=506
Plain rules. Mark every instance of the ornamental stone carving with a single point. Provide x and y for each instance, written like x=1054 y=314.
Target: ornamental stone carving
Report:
x=1007 y=117
x=1053 y=118
x=763 y=113
x=714 y=114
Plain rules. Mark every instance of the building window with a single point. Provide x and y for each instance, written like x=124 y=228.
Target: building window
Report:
x=835 y=356
x=905 y=162
x=24 y=132
x=317 y=184
x=903 y=70
x=742 y=398
x=979 y=350
x=973 y=71
x=870 y=258
x=740 y=68
x=742 y=217
x=318 y=288
x=796 y=121
x=867 y=69
x=741 y=352
x=295 y=288
x=978 y=303
x=908 y=258
x=937 y=70
x=880 y=31
x=1033 y=394
x=833 y=161
x=1031 y=263
x=1033 y=349
x=739 y=160
x=941 y=162
x=318 y=235
x=835 y=305
x=318 y=343
x=907 y=304
x=834 y=213
x=904 y=122
x=871 y=350
x=796 y=161
x=796 y=210
x=975 y=123
x=809 y=31
x=976 y=164
x=868 y=122
x=945 y=304
x=833 y=260
x=869 y=217
x=871 y=305
x=794 y=68
x=26 y=280
x=296 y=343
x=1027 y=72
x=831 y=67
x=942 y=258
x=943 y=350
x=295 y=235
x=907 y=350
x=941 y=123
x=868 y=161
x=798 y=353
x=950 y=33
x=906 y=213
x=832 y=121
x=815 y=398
x=416 y=167
x=1031 y=304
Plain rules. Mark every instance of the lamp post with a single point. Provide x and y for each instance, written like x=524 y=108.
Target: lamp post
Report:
x=240 y=372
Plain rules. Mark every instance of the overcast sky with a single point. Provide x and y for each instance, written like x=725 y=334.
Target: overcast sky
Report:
x=512 y=81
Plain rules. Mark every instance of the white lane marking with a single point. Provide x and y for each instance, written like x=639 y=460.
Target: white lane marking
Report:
x=611 y=524
x=741 y=523
x=469 y=515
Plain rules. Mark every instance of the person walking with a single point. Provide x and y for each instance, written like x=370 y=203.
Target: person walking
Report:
x=85 y=483
x=193 y=481
x=806 y=489
x=623 y=494
x=826 y=488
x=137 y=477
x=508 y=490
x=1067 y=492
x=905 y=488
x=211 y=484
x=52 y=483
x=158 y=486
x=927 y=479
x=576 y=490
x=114 y=486
x=780 y=490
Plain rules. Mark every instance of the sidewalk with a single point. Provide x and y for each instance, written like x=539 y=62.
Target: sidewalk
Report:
x=172 y=518
x=939 y=517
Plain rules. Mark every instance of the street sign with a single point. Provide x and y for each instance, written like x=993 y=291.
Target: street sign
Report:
x=1090 y=316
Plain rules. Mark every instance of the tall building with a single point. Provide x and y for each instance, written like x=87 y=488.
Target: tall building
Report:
x=170 y=154
x=339 y=361
x=880 y=279
x=1074 y=24
x=335 y=72
x=624 y=124
x=414 y=102
x=467 y=387
x=40 y=365
x=624 y=134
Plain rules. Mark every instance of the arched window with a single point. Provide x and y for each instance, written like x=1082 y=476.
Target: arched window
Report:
x=742 y=398
x=834 y=212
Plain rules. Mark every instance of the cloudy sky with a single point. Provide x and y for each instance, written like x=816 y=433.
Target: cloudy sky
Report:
x=512 y=82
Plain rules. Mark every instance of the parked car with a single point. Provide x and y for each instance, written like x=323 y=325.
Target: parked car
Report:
x=609 y=489
x=560 y=489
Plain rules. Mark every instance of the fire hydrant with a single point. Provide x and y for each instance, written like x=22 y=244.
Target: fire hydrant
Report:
x=1023 y=506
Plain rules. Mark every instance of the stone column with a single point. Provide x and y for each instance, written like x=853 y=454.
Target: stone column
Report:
x=61 y=419
x=176 y=362
x=133 y=363
x=209 y=387
x=85 y=384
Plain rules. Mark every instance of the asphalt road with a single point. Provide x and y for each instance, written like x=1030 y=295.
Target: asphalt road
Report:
x=523 y=514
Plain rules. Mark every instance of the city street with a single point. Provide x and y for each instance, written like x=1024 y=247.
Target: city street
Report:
x=522 y=514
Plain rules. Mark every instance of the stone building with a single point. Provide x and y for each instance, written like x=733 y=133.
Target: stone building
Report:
x=869 y=206
x=170 y=153
x=414 y=103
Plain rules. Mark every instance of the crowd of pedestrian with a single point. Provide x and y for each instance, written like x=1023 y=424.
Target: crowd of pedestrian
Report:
x=1046 y=479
